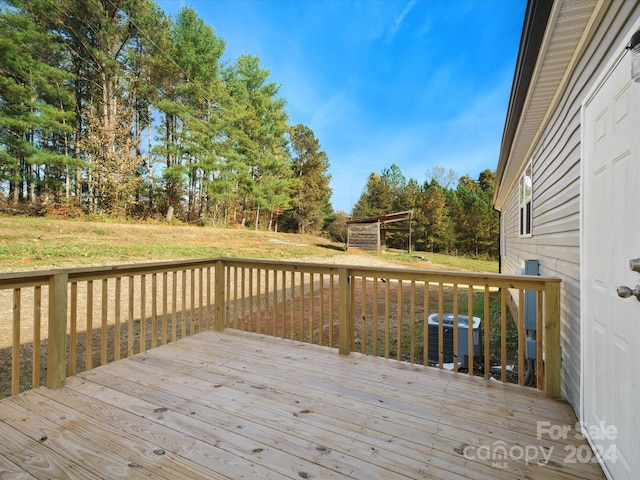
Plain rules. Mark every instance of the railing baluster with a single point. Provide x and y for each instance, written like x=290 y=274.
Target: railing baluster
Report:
x=487 y=331
x=399 y=322
x=521 y=339
x=234 y=303
x=503 y=334
x=174 y=306
x=165 y=293
x=243 y=317
x=321 y=335
x=352 y=319
x=37 y=318
x=374 y=314
x=412 y=322
x=208 y=310
x=470 y=343
x=73 y=329
x=387 y=316
x=117 y=319
x=259 y=308
x=183 y=306
x=440 y=325
x=302 y=305
x=192 y=316
x=272 y=319
x=200 y=299
x=130 y=320
x=456 y=329
x=539 y=340
x=425 y=325
x=154 y=310
x=267 y=275
x=311 y=307
x=219 y=296
x=143 y=312
x=274 y=312
x=15 y=346
x=292 y=309
x=104 y=333
x=363 y=315
x=284 y=302
x=331 y=304
x=88 y=362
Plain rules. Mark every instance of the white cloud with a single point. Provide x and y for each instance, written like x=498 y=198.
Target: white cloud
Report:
x=400 y=19
x=333 y=112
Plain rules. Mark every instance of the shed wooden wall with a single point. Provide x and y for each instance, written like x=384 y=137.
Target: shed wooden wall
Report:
x=364 y=236
x=556 y=191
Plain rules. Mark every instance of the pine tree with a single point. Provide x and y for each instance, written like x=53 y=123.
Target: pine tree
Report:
x=35 y=109
x=311 y=187
x=260 y=126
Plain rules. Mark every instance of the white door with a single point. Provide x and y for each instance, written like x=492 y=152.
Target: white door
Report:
x=610 y=238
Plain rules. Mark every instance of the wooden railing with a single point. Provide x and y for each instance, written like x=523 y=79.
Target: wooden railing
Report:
x=100 y=314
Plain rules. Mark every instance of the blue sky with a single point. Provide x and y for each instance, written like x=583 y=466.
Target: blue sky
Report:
x=421 y=84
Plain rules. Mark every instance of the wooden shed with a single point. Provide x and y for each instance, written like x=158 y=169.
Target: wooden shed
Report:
x=369 y=233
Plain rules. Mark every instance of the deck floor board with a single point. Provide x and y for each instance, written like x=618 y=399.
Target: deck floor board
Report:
x=241 y=405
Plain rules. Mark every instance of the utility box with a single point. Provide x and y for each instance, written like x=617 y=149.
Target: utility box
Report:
x=531 y=267
x=447 y=333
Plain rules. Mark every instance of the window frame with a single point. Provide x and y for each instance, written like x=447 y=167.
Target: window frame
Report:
x=525 y=202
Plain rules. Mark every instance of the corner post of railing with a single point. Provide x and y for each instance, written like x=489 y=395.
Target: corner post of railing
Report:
x=218 y=322
x=344 y=299
x=552 y=352
x=56 y=344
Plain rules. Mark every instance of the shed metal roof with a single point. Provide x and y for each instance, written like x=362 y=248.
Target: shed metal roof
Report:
x=386 y=218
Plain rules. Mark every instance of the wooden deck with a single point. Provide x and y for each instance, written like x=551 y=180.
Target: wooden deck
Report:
x=240 y=405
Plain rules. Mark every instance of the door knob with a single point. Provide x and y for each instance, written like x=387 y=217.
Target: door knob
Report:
x=626 y=292
x=634 y=264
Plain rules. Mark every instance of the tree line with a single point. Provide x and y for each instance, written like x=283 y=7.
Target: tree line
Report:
x=450 y=215
x=111 y=107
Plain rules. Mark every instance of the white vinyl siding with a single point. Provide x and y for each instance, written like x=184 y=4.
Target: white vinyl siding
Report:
x=556 y=193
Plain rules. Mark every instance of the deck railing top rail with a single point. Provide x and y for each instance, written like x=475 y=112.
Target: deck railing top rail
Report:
x=41 y=277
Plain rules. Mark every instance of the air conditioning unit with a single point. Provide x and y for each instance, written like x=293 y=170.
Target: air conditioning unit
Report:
x=447 y=342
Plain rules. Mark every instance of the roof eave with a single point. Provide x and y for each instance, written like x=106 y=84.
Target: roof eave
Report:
x=534 y=26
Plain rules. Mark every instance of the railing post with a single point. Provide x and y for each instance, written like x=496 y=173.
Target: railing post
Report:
x=552 y=353
x=56 y=344
x=344 y=301
x=218 y=323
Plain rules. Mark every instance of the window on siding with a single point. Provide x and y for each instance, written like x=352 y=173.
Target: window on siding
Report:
x=526 y=210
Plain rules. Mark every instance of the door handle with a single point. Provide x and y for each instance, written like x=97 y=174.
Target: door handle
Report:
x=626 y=292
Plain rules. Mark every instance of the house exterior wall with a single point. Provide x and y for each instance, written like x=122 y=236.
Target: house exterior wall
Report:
x=555 y=158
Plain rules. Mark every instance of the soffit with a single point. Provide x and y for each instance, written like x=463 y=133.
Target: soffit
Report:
x=567 y=24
